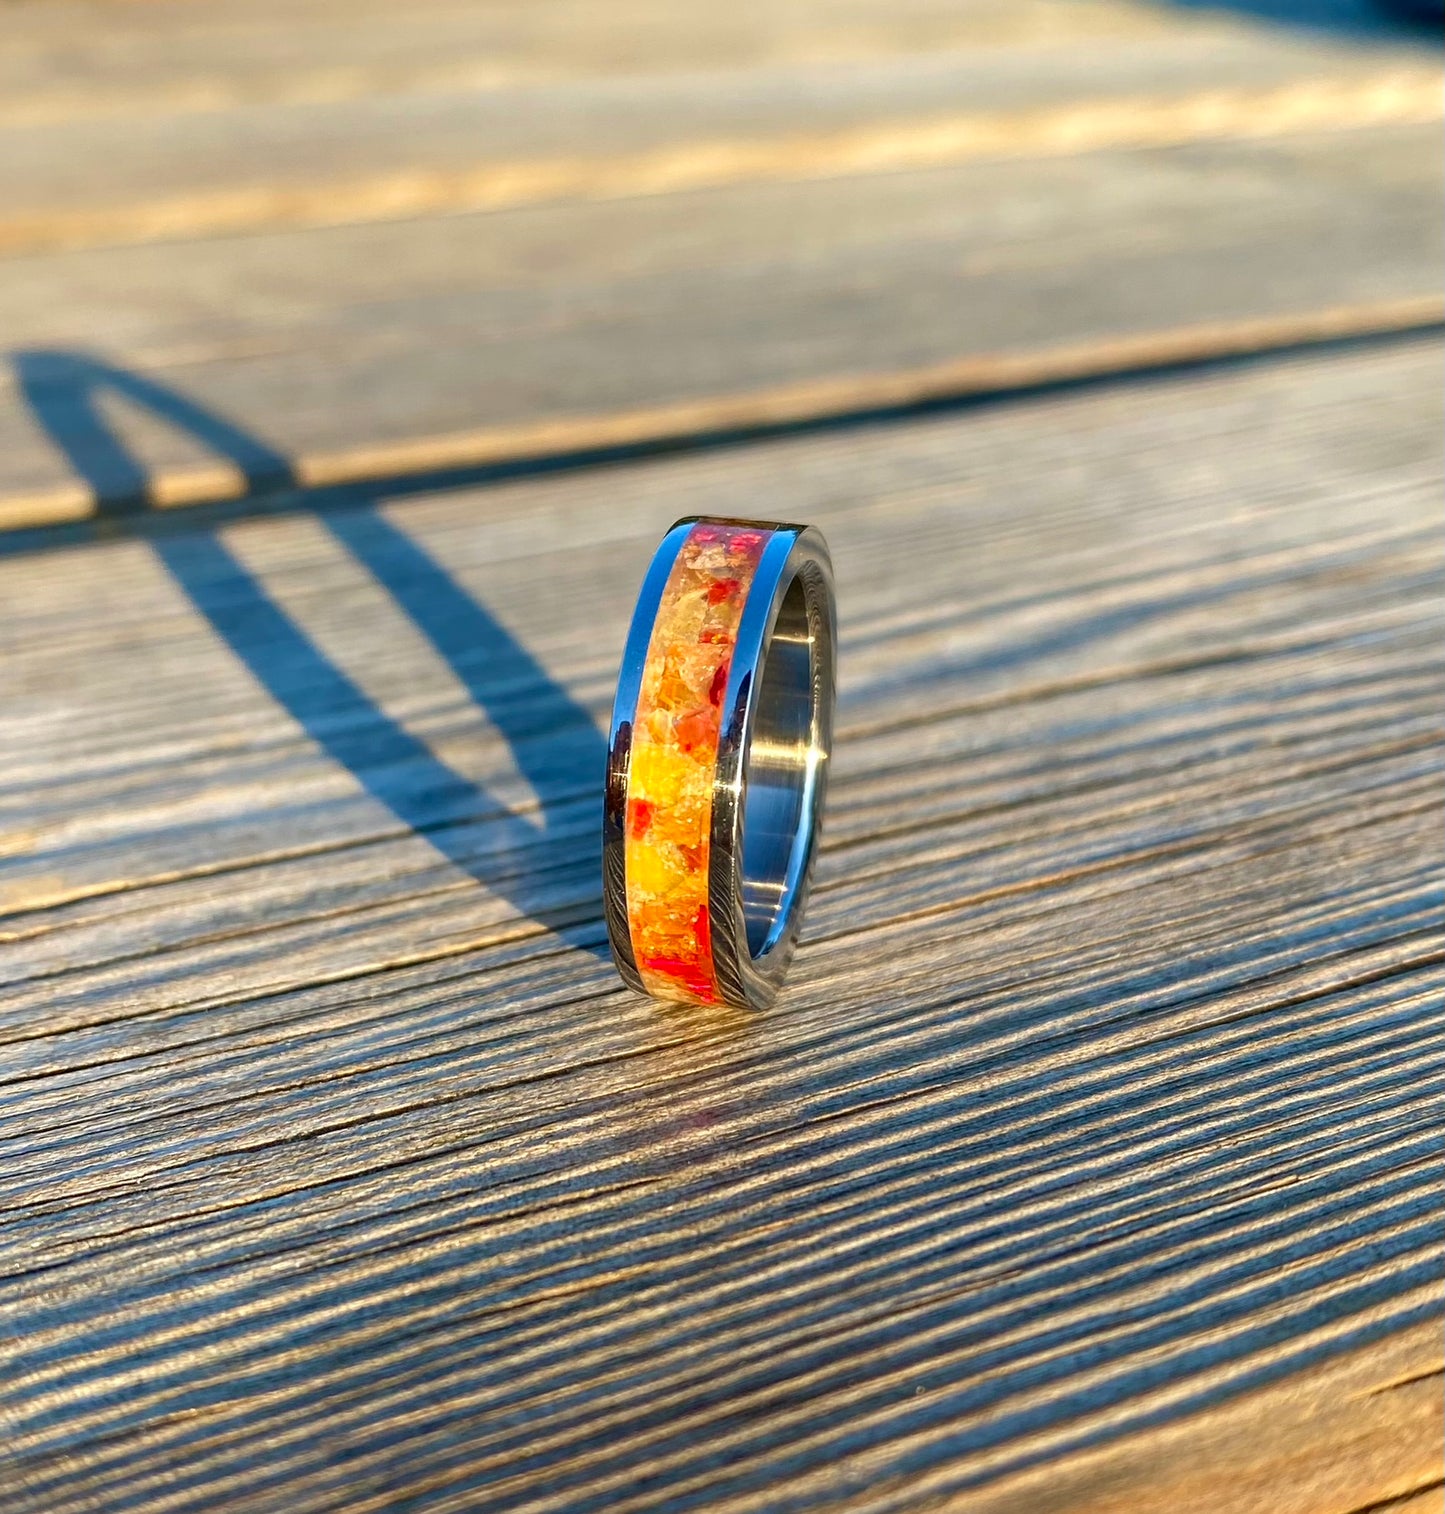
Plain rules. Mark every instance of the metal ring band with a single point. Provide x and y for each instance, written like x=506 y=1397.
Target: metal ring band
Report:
x=718 y=760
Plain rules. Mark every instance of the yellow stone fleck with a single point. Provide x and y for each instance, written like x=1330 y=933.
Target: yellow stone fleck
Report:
x=654 y=869
x=660 y=774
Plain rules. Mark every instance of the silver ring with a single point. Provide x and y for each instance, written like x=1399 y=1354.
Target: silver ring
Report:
x=718 y=760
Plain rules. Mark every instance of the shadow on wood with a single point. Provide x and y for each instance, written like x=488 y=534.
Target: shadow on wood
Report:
x=1376 y=20
x=553 y=738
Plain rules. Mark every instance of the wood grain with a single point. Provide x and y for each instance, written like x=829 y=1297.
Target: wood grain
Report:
x=1362 y=1433
x=341 y=1174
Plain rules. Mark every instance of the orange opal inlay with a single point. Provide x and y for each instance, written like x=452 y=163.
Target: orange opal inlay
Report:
x=674 y=755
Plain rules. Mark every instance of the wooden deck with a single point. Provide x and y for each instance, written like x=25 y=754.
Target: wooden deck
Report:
x=357 y=356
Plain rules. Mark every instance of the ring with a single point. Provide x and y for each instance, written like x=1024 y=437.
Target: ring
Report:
x=718 y=760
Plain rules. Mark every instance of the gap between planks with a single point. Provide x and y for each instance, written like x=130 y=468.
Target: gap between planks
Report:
x=775 y=408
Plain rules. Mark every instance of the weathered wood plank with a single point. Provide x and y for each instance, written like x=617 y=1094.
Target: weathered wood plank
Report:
x=577 y=325
x=464 y=339
x=336 y=1179
x=62 y=60
x=197 y=712
x=94 y=183
x=1362 y=1433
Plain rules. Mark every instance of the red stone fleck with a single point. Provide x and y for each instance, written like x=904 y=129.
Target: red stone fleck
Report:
x=719 y=684
x=642 y=813
x=714 y=636
x=722 y=588
x=695 y=729
x=745 y=541
x=686 y=971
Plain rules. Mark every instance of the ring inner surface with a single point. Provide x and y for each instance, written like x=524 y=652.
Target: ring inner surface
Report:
x=779 y=777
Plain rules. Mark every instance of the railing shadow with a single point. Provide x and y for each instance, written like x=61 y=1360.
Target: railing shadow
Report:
x=552 y=737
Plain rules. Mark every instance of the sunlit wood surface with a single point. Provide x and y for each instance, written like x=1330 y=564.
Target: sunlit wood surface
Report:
x=356 y=357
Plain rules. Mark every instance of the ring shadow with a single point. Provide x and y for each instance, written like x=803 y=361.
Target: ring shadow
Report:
x=552 y=737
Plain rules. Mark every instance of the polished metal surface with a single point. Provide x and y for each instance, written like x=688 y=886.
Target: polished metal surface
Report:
x=771 y=774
